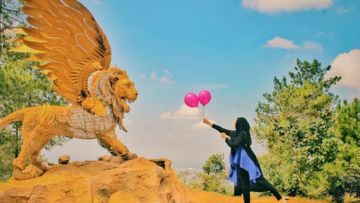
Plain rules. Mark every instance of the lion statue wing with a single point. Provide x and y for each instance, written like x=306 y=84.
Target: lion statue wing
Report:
x=65 y=37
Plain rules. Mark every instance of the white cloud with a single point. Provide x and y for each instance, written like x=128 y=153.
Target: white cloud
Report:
x=347 y=65
x=278 y=6
x=314 y=46
x=165 y=78
x=282 y=43
x=143 y=76
x=183 y=112
x=201 y=125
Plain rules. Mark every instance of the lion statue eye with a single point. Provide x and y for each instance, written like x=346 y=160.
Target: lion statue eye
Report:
x=113 y=80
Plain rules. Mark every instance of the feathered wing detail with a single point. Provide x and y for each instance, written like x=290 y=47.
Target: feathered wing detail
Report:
x=65 y=36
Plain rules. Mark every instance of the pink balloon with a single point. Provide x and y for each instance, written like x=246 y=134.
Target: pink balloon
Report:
x=204 y=97
x=191 y=100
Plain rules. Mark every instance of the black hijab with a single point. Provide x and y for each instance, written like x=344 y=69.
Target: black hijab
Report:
x=243 y=125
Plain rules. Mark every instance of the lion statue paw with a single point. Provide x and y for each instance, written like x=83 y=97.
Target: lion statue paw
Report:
x=31 y=171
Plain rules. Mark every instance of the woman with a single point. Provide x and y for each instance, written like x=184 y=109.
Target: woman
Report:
x=245 y=171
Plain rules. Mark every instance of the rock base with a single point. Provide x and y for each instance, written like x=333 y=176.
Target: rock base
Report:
x=113 y=180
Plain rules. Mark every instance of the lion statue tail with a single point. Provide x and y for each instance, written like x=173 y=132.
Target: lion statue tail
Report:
x=15 y=116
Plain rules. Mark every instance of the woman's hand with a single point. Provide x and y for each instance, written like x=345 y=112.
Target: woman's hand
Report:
x=224 y=136
x=207 y=122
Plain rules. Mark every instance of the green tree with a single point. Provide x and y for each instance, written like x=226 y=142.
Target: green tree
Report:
x=20 y=86
x=214 y=164
x=10 y=15
x=214 y=176
x=7 y=143
x=343 y=175
x=295 y=122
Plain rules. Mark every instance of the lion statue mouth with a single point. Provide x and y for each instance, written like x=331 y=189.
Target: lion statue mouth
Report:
x=128 y=100
x=125 y=101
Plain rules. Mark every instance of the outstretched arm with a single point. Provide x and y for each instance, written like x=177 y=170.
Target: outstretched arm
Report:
x=216 y=127
x=221 y=129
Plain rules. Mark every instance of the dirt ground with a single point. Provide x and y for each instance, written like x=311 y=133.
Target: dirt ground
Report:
x=207 y=197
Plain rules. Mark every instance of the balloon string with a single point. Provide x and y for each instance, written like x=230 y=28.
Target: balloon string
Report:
x=203 y=111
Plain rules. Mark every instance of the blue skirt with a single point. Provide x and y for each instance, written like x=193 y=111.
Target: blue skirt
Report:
x=242 y=159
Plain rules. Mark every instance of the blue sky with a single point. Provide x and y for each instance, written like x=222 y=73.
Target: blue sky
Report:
x=234 y=48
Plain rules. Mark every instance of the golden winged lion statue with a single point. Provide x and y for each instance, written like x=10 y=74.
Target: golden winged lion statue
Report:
x=75 y=54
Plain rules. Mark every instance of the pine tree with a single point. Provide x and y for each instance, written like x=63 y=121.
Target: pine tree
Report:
x=295 y=122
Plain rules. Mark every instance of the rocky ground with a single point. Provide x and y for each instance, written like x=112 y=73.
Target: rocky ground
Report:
x=113 y=180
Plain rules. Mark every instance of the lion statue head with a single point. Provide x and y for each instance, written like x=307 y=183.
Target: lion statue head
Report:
x=114 y=89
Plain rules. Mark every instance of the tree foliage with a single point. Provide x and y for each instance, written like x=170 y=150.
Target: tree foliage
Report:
x=306 y=134
x=20 y=86
x=343 y=175
x=214 y=164
x=212 y=178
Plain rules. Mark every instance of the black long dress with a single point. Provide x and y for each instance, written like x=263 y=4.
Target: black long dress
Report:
x=241 y=138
